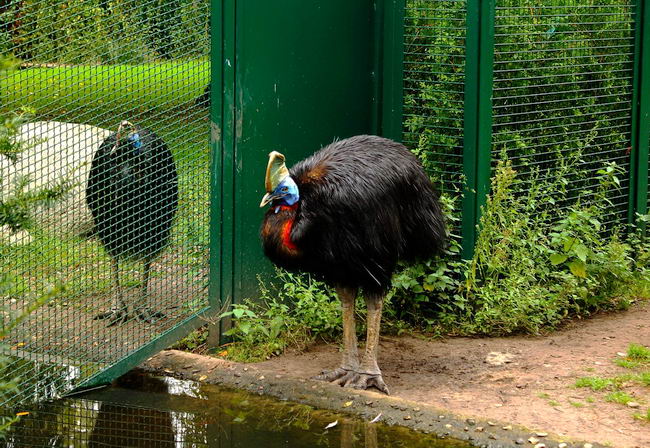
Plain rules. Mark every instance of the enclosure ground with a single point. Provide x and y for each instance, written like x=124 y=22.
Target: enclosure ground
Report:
x=535 y=388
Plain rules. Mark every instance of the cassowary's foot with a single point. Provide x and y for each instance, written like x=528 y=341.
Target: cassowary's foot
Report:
x=366 y=381
x=114 y=316
x=350 y=378
x=334 y=376
x=148 y=315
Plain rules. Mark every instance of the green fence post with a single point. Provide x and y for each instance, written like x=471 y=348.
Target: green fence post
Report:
x=391 y=104
x=479 y=64
x=216 y=151
x=638 y=194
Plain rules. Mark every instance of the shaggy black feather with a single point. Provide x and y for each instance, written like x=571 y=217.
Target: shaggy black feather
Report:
x=365 y=203
x=132 y=194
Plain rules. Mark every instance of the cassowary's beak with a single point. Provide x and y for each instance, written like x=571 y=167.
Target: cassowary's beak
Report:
x=276 y=170
x=267 y=199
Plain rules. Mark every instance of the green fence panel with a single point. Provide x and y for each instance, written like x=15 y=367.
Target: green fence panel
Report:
x=434 y=84
x=84 y=67
x=541 y=84
x=563 y=76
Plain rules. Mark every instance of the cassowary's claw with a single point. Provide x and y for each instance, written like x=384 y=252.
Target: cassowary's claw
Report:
x=114 y=316
x=366 y=381
x=148 y=315
x=350 y=378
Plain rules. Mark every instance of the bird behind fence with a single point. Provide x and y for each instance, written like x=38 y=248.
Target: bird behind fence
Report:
x=132 y=193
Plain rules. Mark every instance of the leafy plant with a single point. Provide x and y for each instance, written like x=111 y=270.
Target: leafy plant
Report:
x=16 y=207
x=294 y=312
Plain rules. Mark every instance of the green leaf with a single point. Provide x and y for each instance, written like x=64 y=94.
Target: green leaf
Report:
x=245 y=327
x=558 y=259
x=578 y=268
x=581 y=252
x=238 y=312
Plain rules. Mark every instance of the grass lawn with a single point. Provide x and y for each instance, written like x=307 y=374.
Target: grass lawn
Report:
x=157 y=96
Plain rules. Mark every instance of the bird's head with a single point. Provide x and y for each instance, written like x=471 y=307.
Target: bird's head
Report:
x=281 y=189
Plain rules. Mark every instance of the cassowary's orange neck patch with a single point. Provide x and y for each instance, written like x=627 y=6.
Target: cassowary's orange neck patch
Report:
x=286 y=227
x=286 y=235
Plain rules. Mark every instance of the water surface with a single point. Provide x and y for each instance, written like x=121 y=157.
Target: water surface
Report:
x=142 y=411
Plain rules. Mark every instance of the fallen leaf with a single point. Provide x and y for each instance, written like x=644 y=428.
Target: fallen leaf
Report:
x=333 y=424
x=376 y=419
x=20 y=414
x=347 y=404
x=203 y=377
x=223 y=353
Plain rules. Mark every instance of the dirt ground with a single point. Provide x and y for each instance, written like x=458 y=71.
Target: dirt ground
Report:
x=534 y=388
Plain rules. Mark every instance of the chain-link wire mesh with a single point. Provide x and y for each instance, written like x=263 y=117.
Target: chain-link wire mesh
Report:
x=105 y=205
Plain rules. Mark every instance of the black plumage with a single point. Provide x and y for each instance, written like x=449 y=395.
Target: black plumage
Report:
x=364 y=203
x=132 y=193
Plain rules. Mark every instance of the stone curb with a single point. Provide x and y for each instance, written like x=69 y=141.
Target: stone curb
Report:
x=365 y=404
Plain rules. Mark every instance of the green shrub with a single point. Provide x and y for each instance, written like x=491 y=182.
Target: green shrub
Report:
x=294 y=312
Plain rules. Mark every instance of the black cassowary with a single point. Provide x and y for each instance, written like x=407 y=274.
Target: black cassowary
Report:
x=348 y=213
x=132 y=193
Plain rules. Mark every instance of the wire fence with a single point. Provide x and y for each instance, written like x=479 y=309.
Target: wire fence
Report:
x=541 y=84
x=105 y=204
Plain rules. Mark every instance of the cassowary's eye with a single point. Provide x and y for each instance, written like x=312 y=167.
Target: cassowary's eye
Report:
x=285 y=189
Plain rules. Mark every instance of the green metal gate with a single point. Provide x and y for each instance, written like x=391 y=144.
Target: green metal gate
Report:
x=83 y=67
x=279 y=81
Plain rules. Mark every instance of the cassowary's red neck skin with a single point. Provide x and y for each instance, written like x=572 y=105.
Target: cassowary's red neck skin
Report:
x=276 y=236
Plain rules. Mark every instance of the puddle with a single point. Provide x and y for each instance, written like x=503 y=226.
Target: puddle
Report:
x=143 y=411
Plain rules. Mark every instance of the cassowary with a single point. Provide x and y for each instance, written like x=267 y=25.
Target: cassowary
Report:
x=132 y=194
x=347 y=214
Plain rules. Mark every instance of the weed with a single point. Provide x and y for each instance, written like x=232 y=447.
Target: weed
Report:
x=645 y=417
x=577 y=404
x=293 y=313
x=627 y=364
x=638 y=352
x=590 y=400
x=644 y=378
x=543 y=395
x=619 y=397
x=594 y=383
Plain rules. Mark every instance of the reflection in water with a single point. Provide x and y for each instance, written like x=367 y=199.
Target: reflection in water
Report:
x=142 y=411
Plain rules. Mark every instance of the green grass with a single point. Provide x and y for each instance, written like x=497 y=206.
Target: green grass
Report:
x=619 y=397
x=78 y=89
x=638 y=352
x=645 y=417
x=158 y=96
x=644 y=378
x=594 y=383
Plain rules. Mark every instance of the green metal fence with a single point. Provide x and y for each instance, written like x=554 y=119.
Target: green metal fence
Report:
x=536 y=83
x=84 y=67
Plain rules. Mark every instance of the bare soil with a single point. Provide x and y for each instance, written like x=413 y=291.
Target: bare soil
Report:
x=534 y=389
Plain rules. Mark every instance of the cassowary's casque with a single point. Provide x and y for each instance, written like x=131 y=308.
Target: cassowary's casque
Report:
x=132 y=193
x=347 y=214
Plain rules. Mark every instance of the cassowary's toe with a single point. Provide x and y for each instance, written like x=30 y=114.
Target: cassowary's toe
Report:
x=366 y=381
x=115 y=316
x=333 y=375
x=148 y=315
x=350 y=378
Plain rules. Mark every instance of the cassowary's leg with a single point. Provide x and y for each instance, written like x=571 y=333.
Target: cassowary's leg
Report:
x=144 y=311
x=350 y=362
x=119 y=312
x=369 y=373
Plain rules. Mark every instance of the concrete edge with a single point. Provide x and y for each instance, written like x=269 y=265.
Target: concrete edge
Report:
x=364 y=404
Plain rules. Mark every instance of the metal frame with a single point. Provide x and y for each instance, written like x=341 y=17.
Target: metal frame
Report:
x=638 y=195
x=477 y=117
